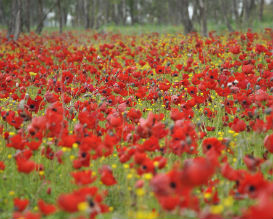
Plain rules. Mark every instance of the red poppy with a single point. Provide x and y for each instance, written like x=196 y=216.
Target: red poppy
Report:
x=268 y=143
x=212 y=144
x=20 y=204
x=261 y=210
x=17 y=142
x=107 y=177
x=2 y=165
x=25 y=166
x=197 y=171
x=26 y=215
x=46 y=208
x=83 y=177
x=237 y=125
x=252 y=163
x=253 y=185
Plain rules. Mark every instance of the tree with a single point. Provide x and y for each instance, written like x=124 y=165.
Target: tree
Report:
x=248 y=8
x=43 y=15
x=86 y=13
x=186 y=20
x=225 y=12
x=2 y=12
x=59 y=6
x=261 y=10
x=27 y=15
x=203 y=16
x=14 y=26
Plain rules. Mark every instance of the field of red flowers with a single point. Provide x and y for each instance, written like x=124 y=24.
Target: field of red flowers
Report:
x=97 y=125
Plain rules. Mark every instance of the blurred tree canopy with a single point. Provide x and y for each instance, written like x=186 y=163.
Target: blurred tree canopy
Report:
x=33 y=15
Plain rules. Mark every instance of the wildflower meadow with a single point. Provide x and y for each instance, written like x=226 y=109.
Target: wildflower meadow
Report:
x=143 y=126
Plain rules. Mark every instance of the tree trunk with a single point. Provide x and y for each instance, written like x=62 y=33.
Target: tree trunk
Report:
x=86 y=12
x=17 y=29
x=14 y=27
x=225 y=11
x=123 y=11
x=2 y=13
x=246 y=12
x=43 y=16
x=60 y=16
x=64 y=13
x=187 y=23
x=93 y=11
x=235 y=9
x=27 y=15
x=132 y=11
x=40 y=25
x=261 y=10
x=203 y=16
x=116 y=15
x=249 y=6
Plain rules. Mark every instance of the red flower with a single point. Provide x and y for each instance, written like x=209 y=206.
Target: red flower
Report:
x=70 y=202
x=107 y=177
x=192 y=91
x=25 y=166
x=268 y=143
x=238 y=125
x=169 y=203
x=17 y=142
x=2 y=165
x=20 y=204
x=251 y=162
x=248 y=69
x=253 y=185
x=197 y=171
x=33 y=105
x=45 y=208
x=134 y=115
x=212 y=144
x=261 y=210
x=83 y=177
x=160 y=69
x=26 y=215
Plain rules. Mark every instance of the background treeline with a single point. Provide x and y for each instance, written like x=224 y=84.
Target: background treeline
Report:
x=33 y=15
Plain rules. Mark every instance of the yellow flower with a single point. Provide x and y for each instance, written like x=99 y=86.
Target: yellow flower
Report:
x=11 y=193
x=228 y=201
x=129 y=176
x=207 y=195
x=140 y=192
x=126 y=166
x=83 y=206
x=75 y=145
x=143 y=215
x=114 y=166
x=148 y=176
x=32 y=73
x=217 y=209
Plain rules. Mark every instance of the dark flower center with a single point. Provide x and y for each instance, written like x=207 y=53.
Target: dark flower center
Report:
x=91 y=203
x=173 y=185
x=251 y=188
x=209 y=146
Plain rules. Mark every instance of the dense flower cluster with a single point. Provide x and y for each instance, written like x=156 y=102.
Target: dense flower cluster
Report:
x=93 y=123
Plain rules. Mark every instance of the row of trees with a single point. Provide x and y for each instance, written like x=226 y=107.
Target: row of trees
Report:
x=26 y=15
